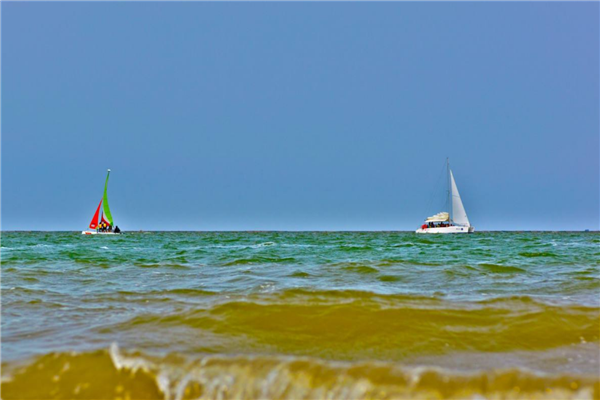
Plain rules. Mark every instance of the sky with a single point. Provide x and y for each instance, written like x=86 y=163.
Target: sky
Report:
x=299 y=116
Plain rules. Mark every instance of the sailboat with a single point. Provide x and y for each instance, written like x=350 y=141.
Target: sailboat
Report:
x=453 y=221
x=104 y=218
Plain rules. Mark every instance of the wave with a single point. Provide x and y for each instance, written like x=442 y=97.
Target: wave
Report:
x=113 y=373
x=260 y=260
x=189 y=292
x=300 y=274
x=358 y=268
x=350 y=248
x=397 y=261
x=389 y=278
x=496 y=268
x=162 y=265
x=353 y=324
x=533 y=254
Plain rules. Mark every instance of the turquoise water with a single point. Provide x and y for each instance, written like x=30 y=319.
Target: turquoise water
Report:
x=485 y=305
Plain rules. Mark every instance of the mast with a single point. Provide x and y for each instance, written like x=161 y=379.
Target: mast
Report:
x=449 y=189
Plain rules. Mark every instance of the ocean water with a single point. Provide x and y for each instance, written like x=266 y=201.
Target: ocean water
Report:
x=305 y=315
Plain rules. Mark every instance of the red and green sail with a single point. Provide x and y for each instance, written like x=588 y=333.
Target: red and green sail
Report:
x=107 y=217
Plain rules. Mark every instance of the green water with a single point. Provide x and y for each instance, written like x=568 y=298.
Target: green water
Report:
x=305 y=309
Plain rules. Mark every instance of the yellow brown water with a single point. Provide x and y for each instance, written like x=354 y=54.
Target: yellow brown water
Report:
x=301 y=316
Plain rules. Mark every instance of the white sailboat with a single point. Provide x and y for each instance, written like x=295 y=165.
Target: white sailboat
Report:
x=103 y=225
x=454 y=221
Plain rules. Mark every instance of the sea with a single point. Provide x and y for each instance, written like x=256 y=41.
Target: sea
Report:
x=300 y=315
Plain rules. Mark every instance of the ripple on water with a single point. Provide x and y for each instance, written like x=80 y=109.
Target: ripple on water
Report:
x=358 y=268
x=500 y=269
x=531 y=254
x=300 y=274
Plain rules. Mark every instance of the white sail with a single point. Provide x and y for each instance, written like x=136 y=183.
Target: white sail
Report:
x=459 y=215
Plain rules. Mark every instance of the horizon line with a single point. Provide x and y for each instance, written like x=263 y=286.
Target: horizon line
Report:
x=301 y=231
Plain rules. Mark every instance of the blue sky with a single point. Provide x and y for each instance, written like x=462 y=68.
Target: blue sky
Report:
x=299 y=116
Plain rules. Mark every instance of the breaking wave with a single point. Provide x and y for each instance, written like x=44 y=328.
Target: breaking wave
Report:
x=112 y=373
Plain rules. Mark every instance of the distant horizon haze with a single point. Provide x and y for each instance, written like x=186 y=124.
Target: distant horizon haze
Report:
x=300 y=116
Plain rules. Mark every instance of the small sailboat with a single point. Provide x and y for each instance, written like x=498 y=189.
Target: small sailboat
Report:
x=100 y=221
x=454 y=221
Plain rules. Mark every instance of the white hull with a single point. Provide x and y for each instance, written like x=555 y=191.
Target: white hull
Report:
x=98 y=233
x=447 y=229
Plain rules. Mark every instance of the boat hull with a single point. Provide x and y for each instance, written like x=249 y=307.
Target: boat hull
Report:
x=98 y=233
x=447 y=229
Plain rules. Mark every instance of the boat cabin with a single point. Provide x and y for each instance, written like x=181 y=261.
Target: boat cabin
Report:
x=440 y=220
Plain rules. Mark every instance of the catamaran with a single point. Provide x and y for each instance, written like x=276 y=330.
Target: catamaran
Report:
x=105 y=219
x=454 y=221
